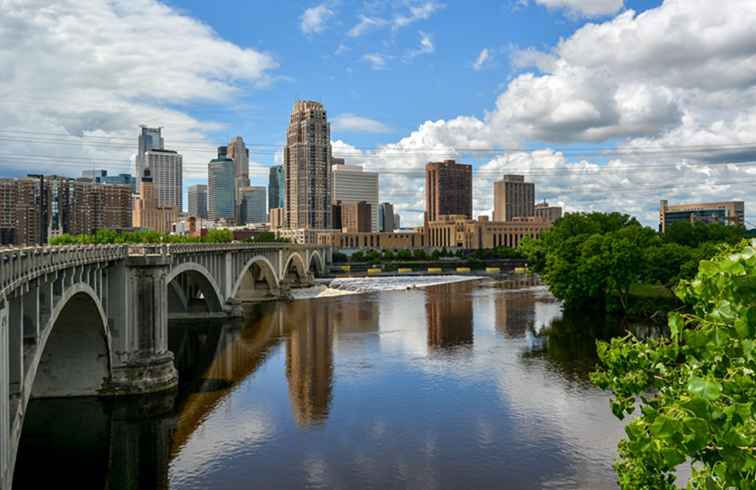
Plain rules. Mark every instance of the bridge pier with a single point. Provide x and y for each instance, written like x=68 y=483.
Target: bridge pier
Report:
x=142 y=362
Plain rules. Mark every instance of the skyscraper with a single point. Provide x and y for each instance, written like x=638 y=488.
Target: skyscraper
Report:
x=198 y=201
x=276 y=187
x=253 y=205
x=448 y=189
x=149 y=139
x=386 y=218
x=147 y=212
x=351 y=184
x=307 y=167
x=221 y=193
x=166 y=168
x=513 y=198
x=239 y=153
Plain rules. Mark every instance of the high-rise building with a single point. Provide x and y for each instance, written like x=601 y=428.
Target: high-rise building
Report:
x=276 y=187
x=239 y=153
x=149 y=139
x=198 y=200
x=352 y=184
x=513 y=198
x=386 y=218
x=356 y=217
x=548 y=213
x=147 y=212
x=253 y=205
x=166 y=169
x=727 y=213
x=221 y=182
x=307 y=167
x=397 y=221
x=8 y=203
x=448 y=190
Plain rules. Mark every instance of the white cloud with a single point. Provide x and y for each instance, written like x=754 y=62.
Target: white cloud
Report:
x=481 y=60
x=584 y=8
x=314 y=19
x=377 y=61
x=366 y=24
x=424 y=47
x=63 y=77
x=414 y=13
x=352 y=123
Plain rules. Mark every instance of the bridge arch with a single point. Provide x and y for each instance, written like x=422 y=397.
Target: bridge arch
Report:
x=317 y=263
x=294 y=271
x=257 y=278
x=72 y=356
x=198 y=280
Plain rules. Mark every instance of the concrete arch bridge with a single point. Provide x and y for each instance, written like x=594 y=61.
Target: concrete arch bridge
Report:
x=93 y=320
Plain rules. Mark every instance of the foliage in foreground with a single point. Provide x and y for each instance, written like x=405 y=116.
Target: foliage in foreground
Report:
x=111 y=237
x=596 y=259
x=696 y=388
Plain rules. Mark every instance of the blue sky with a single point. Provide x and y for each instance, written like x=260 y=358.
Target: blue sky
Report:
x=604 y=104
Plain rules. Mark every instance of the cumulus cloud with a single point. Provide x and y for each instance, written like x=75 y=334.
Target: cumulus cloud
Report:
x=314 y=19
x=100 y=68
x=584 y=8
x=352 y=123
x=481 y=60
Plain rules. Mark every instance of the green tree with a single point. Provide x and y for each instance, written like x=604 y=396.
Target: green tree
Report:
x=696 y=387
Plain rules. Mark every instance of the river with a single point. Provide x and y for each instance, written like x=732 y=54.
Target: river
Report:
x=470 y=385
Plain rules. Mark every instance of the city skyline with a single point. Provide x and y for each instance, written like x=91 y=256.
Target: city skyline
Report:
x=584 y=135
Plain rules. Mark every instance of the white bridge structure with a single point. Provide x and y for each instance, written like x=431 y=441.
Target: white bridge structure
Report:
x=93 y=320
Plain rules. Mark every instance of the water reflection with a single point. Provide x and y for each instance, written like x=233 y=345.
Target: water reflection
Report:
x=457 y=386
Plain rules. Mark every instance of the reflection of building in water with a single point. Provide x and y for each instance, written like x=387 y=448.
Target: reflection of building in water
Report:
x=353 y=318
x=449 y=314
x=515 y=313
x=309 y=361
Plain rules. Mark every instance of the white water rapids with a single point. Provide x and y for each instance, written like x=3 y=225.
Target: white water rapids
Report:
x=358 y=285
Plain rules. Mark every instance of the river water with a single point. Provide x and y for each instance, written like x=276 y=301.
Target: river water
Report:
x=470 y=385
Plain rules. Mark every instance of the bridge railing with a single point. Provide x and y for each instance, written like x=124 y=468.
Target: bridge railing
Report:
x=189 y=248
x=22 y=264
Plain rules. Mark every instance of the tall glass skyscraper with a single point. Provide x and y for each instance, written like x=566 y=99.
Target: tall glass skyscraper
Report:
x=276 y=187
x=221 y=188
x=149 y=139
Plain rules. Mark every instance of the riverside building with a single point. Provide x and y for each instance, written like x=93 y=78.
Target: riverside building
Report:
x=448 y=190
x=726 y=213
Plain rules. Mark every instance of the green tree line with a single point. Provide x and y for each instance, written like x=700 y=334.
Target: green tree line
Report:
x=111 y=237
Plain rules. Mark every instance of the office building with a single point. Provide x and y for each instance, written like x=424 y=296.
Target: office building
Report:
x=149 y=139
x=277 y=219
x=353 y=217
x=166 y=170
x=548 y=213
x=386 y=217
x=276 y=187
x=726 y=213
x=460 y=232
x=8 y=202
x=352 y=184
x=197 y=195
x=239 y=153
x=148 y=214
x=252 y=205
x=513 y=198
x=448 y=190
x=307 y=167
x=397 y=222
x=221 y=191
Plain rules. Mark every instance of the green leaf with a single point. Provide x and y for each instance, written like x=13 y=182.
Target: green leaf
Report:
x=704 y=388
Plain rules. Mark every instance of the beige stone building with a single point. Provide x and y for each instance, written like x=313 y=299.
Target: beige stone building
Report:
x=147 y=214
x=513 y=198
x=726 y=212
x=549 y=213
x=459 y=232
x=307 y=167
x=277 y=219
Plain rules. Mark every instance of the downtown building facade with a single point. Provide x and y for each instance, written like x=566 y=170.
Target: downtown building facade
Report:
x=149 y=139
x=448 y=190
x=252 y=205
x=33 y=210
x=166 y=171
x=725 y=212
x=351 y=184
x=386 y=218
x=221 y=187
x=513 y=198
x=307 y=168
x=197 y=197
x=148 y=213
x=276 y=187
